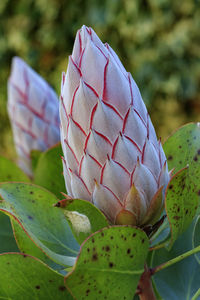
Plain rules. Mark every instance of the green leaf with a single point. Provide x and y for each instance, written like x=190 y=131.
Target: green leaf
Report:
x=27 y=246
x=23 y=277
x=110 y=264
x=180 y=208
x=196 y=237
x=49 y=171
x=182 y=149
x=10 y=172
x=181 y=280
x=46 y=225
x=84 y=217
x=35 y=155
x=7 y=240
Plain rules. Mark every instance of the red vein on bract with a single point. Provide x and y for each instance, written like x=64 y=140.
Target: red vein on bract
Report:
x=96 y=161
x=81 y=181
x=131 y=177
x=24 y=129
x=23 y=150
x=102 y=171
x=92 y=115
x=86 y=141
x=118 y=200
x=67 y=144
x=113 y=108
x=72 y=104
x=114 y=147
x=75 y=65
x=134 y=143
x=143 y=150
x=119 y=164
x=90 y=87
x=22 y=95
x=62 y=102
x=147 y=125
x=78 y=125
x=45 y=136
x=103 y=136
x=104 y=79
x=81 y=56
x=140 y=117
x=125 y=120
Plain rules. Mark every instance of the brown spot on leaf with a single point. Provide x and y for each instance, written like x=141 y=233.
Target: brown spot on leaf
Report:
x=186 y=212
x=37 y=287
x=62 y=288
x=94 y=257
x=111 y=264
x=195 y=158
x=170 y=157
x=107 y=248
x=128 y=251
x=134 y=234
x=176 y=218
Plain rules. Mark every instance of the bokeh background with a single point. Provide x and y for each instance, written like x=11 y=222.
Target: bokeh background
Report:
x=158 y=41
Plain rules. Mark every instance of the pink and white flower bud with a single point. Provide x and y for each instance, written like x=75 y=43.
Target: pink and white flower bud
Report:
x=111 y=153
x=33 y=108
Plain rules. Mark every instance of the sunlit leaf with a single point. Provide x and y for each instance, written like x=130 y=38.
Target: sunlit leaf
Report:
x=110 y=264
x=46 y=225
x=180 y=207
x=23 y=277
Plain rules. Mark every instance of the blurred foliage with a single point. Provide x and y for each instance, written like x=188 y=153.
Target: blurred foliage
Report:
x=157 y=41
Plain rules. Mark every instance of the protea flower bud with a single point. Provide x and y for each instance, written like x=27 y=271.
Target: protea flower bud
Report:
x=111 y=153
x=33 y=109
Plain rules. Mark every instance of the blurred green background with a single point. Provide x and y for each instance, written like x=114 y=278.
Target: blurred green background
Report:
x=157 y=41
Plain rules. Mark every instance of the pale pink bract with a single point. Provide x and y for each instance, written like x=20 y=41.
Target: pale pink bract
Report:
x=33 y=108
x=111 y=153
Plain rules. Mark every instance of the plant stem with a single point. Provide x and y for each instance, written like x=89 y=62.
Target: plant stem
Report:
x=145 y=289
x=196 y=295
x=174 y=260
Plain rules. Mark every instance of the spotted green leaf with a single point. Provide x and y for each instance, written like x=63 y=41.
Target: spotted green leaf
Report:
x=10 y=172
x=46 y=225
x=23 y=277
x=180 y=208
x=110 y=264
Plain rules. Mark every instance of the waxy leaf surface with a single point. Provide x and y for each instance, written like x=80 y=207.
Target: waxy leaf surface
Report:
x=180 y=208
x=110 y=264
x=27 y=246
x=46 y=225
x=180 y=280
x=8 y=172
x=23 y=277
x=84 y=217
x=7 y=240
x=183 y=149
x=49 y=171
